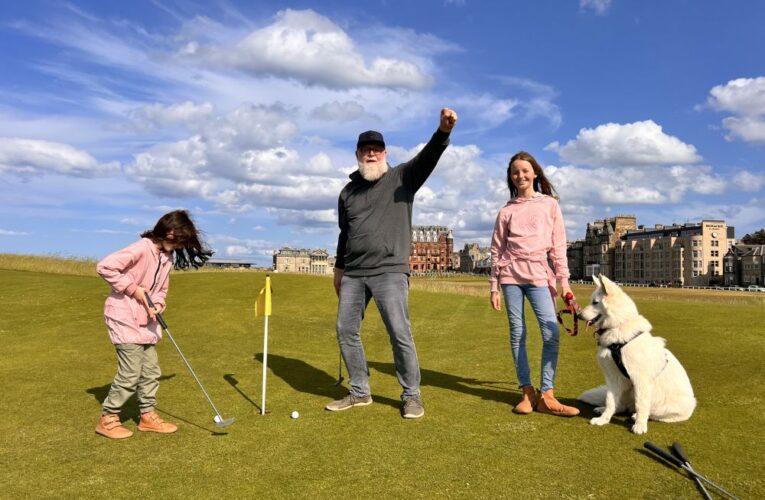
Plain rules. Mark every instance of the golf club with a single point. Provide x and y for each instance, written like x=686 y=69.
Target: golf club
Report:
x=218 y=419
x=340 y=371
x=676 y=461
x=678 y=451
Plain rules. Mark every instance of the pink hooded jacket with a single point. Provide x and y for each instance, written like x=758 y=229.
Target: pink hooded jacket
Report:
x=527 y=232
x=140 y=264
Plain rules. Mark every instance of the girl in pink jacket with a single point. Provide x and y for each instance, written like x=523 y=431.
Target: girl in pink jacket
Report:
x=135 y=272
x=528 y=234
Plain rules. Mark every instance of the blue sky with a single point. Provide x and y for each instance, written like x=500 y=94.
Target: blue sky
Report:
x=246 y=113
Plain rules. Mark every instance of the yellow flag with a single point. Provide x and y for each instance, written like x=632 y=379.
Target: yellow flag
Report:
x=263 y=305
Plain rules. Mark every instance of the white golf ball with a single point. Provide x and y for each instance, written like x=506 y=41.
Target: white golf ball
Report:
x=217 y=419
x=295 y=414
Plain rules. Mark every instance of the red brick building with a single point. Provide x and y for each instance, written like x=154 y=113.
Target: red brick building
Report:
x=432 y=248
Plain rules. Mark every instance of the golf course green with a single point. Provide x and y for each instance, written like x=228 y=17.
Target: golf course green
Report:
x=57 y=365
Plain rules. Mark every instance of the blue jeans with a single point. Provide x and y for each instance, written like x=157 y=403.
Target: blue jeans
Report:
x=544 y=309
x=391 y=294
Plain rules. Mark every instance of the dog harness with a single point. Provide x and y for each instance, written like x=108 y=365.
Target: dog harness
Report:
x=616 y=355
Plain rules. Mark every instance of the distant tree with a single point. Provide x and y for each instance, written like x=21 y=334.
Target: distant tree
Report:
x=756 y=238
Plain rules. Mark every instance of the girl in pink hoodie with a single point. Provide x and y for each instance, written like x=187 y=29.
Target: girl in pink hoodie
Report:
x=528 y=235
x=135 y=272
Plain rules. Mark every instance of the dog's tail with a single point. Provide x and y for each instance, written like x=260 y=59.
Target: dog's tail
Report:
x=594 y=397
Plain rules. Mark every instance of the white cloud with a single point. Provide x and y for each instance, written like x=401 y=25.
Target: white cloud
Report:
x=749 y=181
x=34 y=157
x=746 y=128
x=600 y=7
x=241 y=247
x=535 y=99
x=5 y=232
x=160 y=116
x=745 y=99
x=743 y=96
x=631 y=144
x=633 y=185
x=307 y=46
x=338 y=111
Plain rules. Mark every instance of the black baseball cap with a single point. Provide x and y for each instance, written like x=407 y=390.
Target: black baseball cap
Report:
x=370 y=137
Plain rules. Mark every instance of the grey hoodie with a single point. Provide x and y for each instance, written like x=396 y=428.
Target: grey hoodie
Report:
x=375 y=218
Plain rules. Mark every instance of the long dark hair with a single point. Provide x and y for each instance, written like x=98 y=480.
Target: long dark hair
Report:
x=541 y=184
x=194 y=252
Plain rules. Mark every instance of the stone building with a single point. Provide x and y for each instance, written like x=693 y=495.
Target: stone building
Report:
x=471 y=255
x=289 y=260
x=575 y=258
x=432 y=248
x=599 y=245
x=677 y=255
x=744 y=265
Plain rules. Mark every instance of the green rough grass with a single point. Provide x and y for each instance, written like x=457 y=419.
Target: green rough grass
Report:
x=57 y=365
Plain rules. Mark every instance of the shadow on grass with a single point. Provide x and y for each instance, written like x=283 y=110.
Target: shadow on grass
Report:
x=655 y=458
x=484 y=389
x=130 y=409
x=308 y=379
x=229 y=377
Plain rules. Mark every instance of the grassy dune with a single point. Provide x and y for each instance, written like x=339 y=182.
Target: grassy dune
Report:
x=57 y=365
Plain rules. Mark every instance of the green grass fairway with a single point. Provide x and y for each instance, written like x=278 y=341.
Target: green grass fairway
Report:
x=57 y=365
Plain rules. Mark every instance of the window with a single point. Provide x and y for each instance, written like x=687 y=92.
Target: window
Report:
x=715 y=243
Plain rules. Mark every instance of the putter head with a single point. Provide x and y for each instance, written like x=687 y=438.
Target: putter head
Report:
x=223 y=423
x=339 y=381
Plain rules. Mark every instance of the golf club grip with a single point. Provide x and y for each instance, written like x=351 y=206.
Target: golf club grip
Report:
x=663 y=454
x=159 y=316
x=678 y=451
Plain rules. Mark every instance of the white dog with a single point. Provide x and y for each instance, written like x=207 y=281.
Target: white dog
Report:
x=641 y=374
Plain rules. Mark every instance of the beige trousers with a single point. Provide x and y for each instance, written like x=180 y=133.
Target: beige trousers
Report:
x=137 y=372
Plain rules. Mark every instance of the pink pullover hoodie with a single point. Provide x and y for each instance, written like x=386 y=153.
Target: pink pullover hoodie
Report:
x=527 y=231
x=140 y=264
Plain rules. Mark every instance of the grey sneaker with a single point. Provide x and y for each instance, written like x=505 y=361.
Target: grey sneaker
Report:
x=413 y=408
x=349 y=401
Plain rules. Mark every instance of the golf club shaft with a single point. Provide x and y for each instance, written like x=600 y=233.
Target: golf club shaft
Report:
x=677 y=450
x=188 y=365
x=704 y=490
x=162 y=323
x=676 y=461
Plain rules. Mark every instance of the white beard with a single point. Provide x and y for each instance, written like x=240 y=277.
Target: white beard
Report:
x=372 y=171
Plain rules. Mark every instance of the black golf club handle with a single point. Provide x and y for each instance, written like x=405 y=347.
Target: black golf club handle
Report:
x=663 y=454
x=678 y=451
x=159 y=316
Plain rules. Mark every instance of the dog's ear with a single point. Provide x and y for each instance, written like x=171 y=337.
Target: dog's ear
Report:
x=596 y=281
x=608 y=285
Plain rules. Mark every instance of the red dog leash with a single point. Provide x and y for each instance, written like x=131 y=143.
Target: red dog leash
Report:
x=572 y=308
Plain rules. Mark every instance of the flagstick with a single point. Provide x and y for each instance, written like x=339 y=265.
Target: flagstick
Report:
x=265 y=358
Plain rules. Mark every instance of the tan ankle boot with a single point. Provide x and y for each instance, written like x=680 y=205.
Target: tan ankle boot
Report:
x=546 y=403
x=528 y=401
x=109 y=425
x=151 y=422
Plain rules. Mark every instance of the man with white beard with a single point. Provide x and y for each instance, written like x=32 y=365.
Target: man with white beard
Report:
x=375 y=218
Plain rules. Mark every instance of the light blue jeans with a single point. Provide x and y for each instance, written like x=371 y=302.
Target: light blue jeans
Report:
x=544 y=309
x=391 y=294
